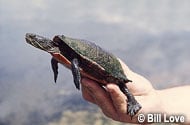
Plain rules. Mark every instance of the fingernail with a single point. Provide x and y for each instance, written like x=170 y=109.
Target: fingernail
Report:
x=109 y=88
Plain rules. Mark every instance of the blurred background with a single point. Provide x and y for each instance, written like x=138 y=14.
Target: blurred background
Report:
x=151 y=37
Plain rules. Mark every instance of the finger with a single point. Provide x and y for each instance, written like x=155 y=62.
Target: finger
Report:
x=118 y=98
x=119 y=102
x=101 y=98
x=87 y=94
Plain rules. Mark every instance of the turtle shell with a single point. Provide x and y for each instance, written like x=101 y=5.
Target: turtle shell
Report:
x=94 y=62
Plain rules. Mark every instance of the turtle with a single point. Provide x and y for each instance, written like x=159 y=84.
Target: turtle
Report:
x=85 y=59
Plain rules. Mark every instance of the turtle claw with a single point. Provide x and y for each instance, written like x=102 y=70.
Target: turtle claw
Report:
x=133 y=108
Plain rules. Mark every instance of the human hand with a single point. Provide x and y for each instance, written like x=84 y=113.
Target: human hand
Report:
x=113 y=102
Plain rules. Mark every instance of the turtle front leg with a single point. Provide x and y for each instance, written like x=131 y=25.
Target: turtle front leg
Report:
x=132 y=105
x=54 y=65
x=76 y=73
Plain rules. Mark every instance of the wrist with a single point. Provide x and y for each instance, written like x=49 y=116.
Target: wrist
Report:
x=152 y=103
x=161 y=103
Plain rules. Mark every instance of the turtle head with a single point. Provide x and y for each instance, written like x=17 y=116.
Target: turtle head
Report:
x=41 y=42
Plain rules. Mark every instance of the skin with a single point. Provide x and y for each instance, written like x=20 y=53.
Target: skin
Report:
x=113 y=102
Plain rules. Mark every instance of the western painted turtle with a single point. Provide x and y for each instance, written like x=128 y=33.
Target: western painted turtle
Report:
x=85 y=59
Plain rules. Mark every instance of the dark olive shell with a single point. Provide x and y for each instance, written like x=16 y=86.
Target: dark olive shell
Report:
x=92 y=59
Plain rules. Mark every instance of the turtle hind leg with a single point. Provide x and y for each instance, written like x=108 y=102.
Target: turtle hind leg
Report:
x=76 y=73
x=54 y=65
x=132 y=105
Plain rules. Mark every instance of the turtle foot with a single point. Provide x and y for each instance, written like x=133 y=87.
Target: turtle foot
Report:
x=133 y=108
